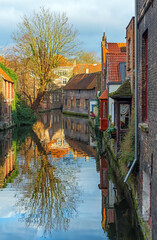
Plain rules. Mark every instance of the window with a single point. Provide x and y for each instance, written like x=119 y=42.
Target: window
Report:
x=124 y=116
x=5 y=89
x=8 y=89
x=145 y=78
x=104 y=109
x=66 y=102
x=86 y=103
x=12 y=90
x=129 y=53
x=72 y=103
x=77 y=102
x=64 y=81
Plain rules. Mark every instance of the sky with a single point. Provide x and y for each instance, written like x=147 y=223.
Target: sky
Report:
x=91 y=18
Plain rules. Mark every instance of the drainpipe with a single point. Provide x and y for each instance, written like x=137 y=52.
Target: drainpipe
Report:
x=136 y=97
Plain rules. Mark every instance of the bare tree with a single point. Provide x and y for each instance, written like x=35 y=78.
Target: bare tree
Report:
x=41 y=40
x=87 y=57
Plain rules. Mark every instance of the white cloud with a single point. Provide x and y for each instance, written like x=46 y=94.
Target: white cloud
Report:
x=90 y=17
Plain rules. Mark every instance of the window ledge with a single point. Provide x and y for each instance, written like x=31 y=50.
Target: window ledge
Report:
x=144 y=127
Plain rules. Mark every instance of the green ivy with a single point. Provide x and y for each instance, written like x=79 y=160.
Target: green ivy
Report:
x=23 y=114
x=9 y=72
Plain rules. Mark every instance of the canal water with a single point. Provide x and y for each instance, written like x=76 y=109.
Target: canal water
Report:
x=54 y=186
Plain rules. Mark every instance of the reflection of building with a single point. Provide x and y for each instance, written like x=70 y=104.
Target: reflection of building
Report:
x=6 y=99
x=58 y=147
x=118 y=219
x=76 y=128
x=7 y=157
x=108 y=195
x=59 y=135
x=77 y=135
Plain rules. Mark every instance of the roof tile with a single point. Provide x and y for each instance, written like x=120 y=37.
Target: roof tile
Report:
x=6 y=77
x=81 y=68
x=83 y=81
x=113 y=67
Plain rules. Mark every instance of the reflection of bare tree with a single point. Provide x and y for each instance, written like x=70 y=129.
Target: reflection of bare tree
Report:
x=49 y=192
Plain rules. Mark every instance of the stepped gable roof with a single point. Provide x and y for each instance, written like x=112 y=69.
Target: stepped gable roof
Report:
x=83 y=81
x=124 y=91
x=81 y=68
x=5 y=76
x=104 y=95
x=113 y=66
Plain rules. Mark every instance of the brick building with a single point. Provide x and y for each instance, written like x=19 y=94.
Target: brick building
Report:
x=114 y=76
x=130 y=54
x=6 y=99
x=124 y=96
x=79 y=91
x=107 y=48
x=147 y=109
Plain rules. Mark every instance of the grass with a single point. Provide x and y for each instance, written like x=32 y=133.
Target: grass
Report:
x=84 y=115
x=127 y=147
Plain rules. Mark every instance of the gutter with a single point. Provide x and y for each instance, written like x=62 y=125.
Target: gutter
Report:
x=136 y=97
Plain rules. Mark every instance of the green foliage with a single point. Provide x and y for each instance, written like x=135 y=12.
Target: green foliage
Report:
x=127 y=147
x=111 y=129
x=11 y=178
x=23 y=114
x=84 y=115
x=9 y=72
x=97 y=121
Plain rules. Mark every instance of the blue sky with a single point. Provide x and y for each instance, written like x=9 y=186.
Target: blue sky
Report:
x=90 y=17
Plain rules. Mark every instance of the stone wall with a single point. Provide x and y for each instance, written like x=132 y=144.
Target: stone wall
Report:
x=83 y=95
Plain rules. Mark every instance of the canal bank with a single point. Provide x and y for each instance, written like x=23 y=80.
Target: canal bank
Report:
x=106 y=148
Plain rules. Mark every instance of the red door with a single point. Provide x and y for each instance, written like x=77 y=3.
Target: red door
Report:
x=104 y=114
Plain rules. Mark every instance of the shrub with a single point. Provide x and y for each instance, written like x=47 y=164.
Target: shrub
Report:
x=23 y=114
x=127 y=146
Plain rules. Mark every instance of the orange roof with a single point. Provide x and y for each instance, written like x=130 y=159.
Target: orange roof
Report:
x=63 y=62
x=6 y=77
x=113 y=66
x=81 y=68
x=112 y=48
x=104 y=95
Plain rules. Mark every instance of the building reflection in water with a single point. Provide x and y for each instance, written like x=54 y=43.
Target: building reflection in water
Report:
x=118 y=218
x=108 y=195
x=62 y=134
x=7 y=156
x=50 y=173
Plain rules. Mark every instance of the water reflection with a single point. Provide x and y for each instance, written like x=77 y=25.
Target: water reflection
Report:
x=49 y=194
x=7 y=157
x=56 y=187
x=117 y=216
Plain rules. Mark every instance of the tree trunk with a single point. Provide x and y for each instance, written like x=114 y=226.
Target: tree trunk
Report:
x=37 y=101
